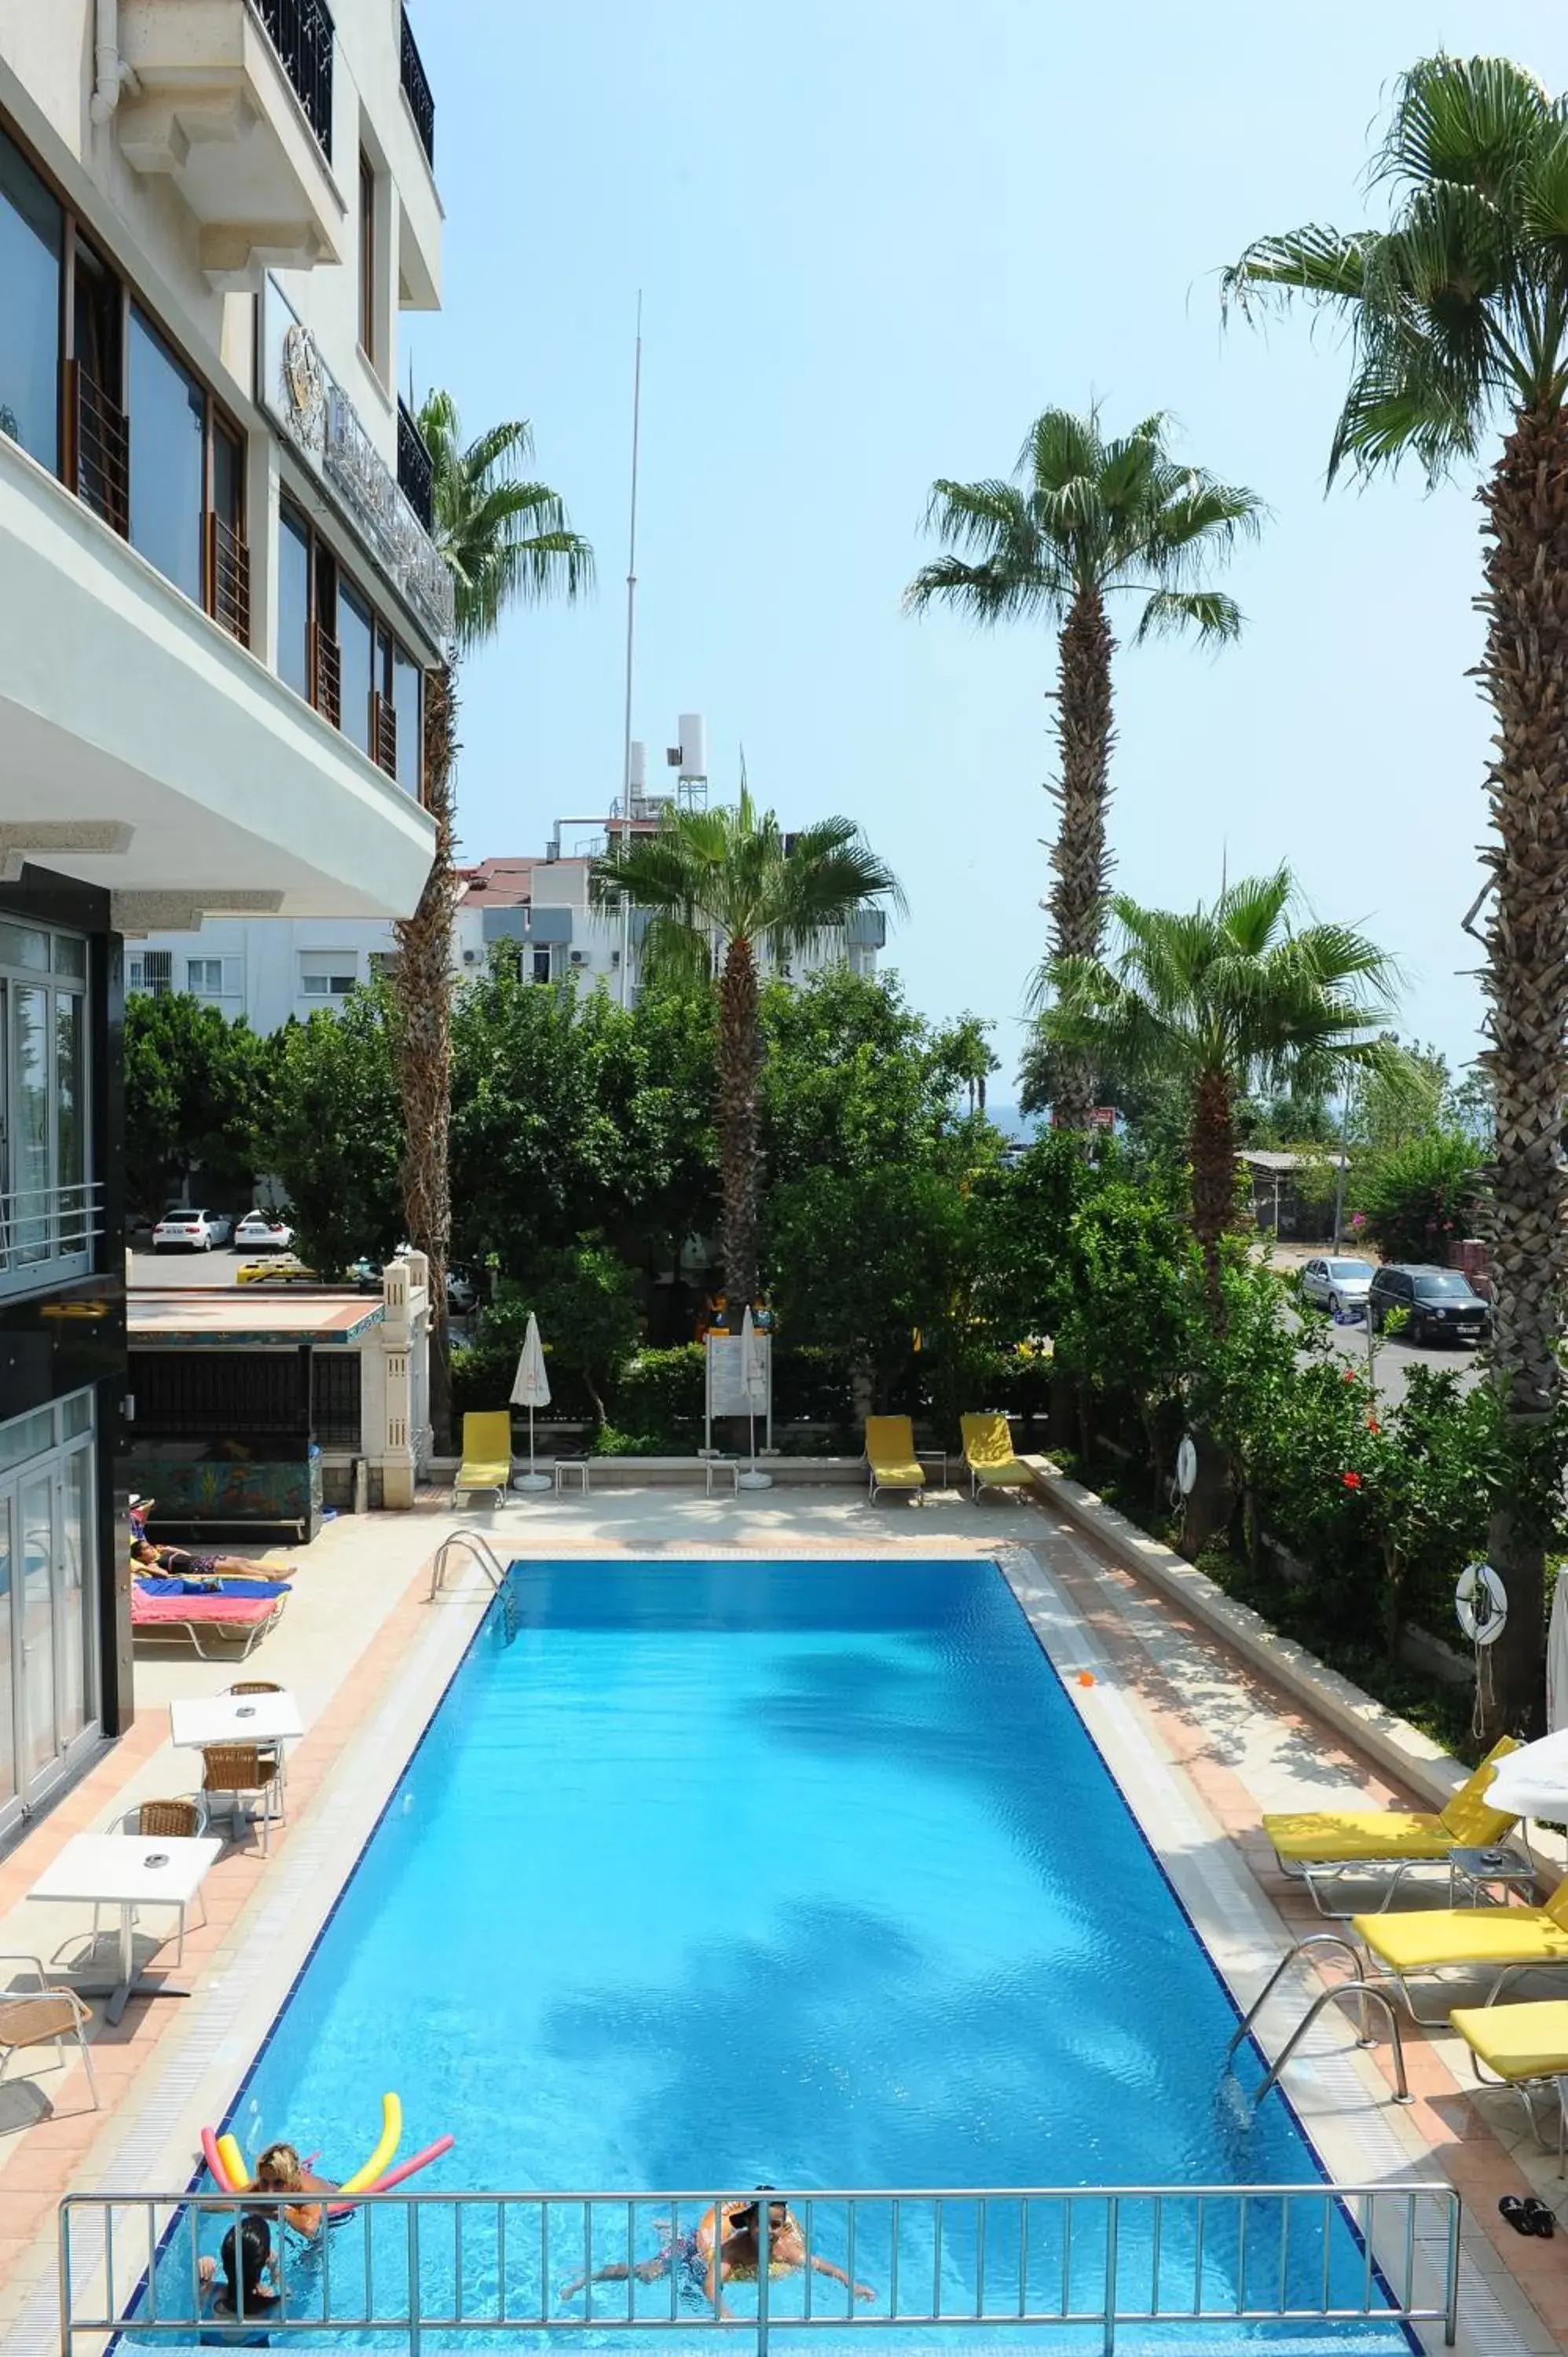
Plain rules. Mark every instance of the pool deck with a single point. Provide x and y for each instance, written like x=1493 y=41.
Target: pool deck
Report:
x=1200 y=1744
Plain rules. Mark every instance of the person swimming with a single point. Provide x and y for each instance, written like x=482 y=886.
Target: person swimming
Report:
x=725 y=2249
x=279 y=2169
x=246 y=2293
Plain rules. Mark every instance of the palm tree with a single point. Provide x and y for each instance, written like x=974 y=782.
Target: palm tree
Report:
x=718 y=887
x=1087 y=521
x=506 y=541
x=1458 y=319
x=1227 y=1000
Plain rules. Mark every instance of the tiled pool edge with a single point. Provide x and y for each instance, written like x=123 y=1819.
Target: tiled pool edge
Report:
x=1340 y=2098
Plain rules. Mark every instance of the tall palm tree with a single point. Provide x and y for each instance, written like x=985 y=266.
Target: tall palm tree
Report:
x=724 y=884
x=506 y=541
x=1458 y=319
x=1227 y=1000
x=1084 y=522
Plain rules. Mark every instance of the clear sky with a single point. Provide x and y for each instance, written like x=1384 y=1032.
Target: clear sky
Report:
x=874 y=238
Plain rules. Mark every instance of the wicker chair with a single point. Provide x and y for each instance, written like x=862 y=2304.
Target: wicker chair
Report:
x=44 y=2016
x=265 y=1686
x=238 y=1771
x=165 y=1821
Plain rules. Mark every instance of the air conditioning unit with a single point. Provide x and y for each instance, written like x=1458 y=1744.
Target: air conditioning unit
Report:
x=615 y=957
x=470 y=957
x=579 y=957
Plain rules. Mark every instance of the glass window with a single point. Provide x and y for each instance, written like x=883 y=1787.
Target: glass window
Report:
x=204 y=973
x=22 y=945
x=227 y=478
x=76 y=1415
x=25 y=1436
x=70 y=955
x=32 y=240
x=407 y=695
x=294 y=602
x=30 y=1047
x=367 y=257
x=70 y=1113
x=355 y=644
x=167 y=411
x=322 y=984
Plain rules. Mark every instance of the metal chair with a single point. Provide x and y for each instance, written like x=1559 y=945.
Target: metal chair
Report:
x=45 y=2016
x=167 y=1821
x=240 y=1771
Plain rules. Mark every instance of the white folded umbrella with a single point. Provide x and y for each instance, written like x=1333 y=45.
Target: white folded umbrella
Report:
x=530 y=1389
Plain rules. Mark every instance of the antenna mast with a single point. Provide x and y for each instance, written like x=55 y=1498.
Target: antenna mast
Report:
x=631 y=563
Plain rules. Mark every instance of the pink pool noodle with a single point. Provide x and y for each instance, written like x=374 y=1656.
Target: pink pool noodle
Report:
x=210 y=2156
x=395 y=2176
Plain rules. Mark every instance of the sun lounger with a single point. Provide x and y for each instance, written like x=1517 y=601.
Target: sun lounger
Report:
x=1322 y=1846
x=1524 y=2047
x=890 y=1454
x=1501 y=1941
x=240 y=1619
x=988 y=1453
x=486 y=1453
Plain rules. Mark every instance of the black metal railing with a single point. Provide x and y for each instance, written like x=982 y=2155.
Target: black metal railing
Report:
x=415 y=467
x=228 y=579
x=383 y=734
x=416 y=88
x=101 y=434
x=301 y=33
x=328 y=682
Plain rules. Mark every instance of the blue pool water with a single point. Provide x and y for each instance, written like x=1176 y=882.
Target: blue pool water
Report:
x=709 y=1874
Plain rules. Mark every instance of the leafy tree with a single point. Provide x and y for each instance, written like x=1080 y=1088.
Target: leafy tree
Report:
x=1126 y=1325
x=196 y=1094
x=506 y=541
x=1458 y=317
x=335 y=1133
x=1227 y=999
x=588 y=1306
x=1087 y=521
x=1418 y=1199
x=1399 y=1100
x=728 y=873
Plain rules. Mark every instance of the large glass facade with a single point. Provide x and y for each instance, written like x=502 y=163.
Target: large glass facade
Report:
x=355 y=641
x=49 y=1676
x=48 y=1218
x=32 y=241
x=168 y=412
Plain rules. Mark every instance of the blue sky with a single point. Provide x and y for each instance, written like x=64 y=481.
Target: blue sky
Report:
x=874 y=238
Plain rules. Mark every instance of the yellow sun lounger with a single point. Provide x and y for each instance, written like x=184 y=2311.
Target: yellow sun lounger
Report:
x=486 y=1453
x=890 y=1454
x=1498 y=1939
x=988 y=1453
x=1320 y=1846
x=1523 y=2046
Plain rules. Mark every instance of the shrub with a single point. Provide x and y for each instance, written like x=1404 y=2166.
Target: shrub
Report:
x=1419 y=1198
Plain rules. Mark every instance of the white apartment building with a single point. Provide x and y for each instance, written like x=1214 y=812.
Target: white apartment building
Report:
x=218 y=601
x=268 y=969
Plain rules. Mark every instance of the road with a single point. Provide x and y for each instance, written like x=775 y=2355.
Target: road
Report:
x=162 y=1269
x=1394 y=1360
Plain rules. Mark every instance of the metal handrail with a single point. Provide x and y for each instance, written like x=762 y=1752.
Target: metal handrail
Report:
x=434 y=2268
x=1311 y=1940
x=1364 y=1996
x=479 y=1548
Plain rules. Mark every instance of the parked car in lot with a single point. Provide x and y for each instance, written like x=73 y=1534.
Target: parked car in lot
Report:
x=261 y=1231
x=189 y=1231
x=282 y=1268
x=1338 y=1284
x=1441 y=1305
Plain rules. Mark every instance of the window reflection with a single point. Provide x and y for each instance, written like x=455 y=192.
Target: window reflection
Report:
x=354 y=638
x=405 y=703
x=294 y=602
x=32 y=238
x=168 y=412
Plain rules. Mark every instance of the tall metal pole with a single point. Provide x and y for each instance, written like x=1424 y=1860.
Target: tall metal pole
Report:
x=630 y=629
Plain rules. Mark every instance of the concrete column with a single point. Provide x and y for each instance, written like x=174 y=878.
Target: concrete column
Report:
x=404 y=1341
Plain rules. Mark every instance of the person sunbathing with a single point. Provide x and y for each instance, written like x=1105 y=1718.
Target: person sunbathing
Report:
x=179 y=1563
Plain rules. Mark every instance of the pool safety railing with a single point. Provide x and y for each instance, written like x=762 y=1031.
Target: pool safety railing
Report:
x=476 y=1546
x=424 y=2272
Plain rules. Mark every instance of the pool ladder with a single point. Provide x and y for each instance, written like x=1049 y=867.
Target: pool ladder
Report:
x=474 y=1544
x=1359 y=1988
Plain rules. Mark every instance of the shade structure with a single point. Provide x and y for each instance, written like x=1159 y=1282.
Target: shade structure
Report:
x=530 y=1389
x=1533 y=1781
x=753 y=1384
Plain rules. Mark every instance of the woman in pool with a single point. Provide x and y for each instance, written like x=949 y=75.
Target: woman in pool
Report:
x=279 y=2169
x=245 y=2294
x=725 y=2250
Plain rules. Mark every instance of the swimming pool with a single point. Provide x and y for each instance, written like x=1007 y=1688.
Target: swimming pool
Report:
x=712 y=1873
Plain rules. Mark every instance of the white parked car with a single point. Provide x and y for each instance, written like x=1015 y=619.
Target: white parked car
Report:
x=259 y=1232
x=192 y=1230
x=1341 y=1285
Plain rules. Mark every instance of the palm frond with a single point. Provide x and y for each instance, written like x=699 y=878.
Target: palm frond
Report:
x=504 y=538
x=1216 y=618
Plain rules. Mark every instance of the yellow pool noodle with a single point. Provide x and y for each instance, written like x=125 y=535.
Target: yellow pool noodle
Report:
x=233 y=2161
x=391 y=2129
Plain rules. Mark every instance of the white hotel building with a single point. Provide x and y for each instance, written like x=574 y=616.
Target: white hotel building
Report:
x=218 y=600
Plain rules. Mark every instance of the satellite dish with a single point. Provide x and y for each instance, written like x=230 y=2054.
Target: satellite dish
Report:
x=1481 y=1603
x=1186 y=1465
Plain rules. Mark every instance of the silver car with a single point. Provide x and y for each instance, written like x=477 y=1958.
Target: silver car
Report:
x=1341 y=1285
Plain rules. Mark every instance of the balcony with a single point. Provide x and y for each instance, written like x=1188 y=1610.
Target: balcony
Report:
x=48 y=1234
x=416 y=90
x=232 y=105
x=415 y=468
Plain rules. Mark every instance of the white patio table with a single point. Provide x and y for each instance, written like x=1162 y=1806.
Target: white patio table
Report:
x=197 y=1720
x=127 y=1871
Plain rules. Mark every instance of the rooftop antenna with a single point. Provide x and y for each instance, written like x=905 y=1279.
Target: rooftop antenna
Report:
x=631 y=563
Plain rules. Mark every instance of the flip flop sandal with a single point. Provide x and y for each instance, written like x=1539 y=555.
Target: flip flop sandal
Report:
x=1512 y=2207
x=1539 y=2219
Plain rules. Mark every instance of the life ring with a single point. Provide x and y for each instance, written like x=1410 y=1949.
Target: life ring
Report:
x=1481 y=1603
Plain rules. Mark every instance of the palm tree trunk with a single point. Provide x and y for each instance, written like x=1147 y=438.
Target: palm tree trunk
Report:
x=1077 y=902
x=1525 y=669
x=424 y=1040
x=740 y=1082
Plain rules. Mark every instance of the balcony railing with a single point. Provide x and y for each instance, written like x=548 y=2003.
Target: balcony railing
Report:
x=301 y=33
x=102 y=436
x=416 y=90
x=228 y=579
x=327 y=684
x=415 y=467
x=47 y=1232
x=383 y=734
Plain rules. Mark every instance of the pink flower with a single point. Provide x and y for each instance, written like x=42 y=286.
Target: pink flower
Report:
x=1351 y=1480
x=1372 y=1425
